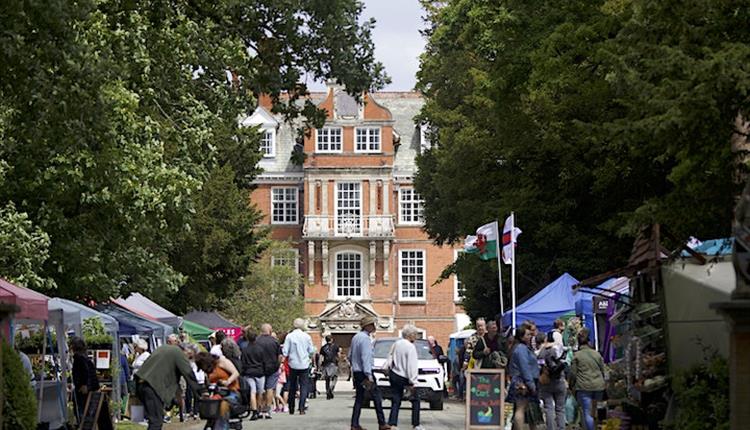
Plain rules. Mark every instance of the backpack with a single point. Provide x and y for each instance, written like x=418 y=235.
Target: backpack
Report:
x=554 y=365
x=330 y=353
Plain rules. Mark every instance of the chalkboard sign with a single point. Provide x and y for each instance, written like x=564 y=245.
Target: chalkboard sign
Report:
x=485 y=396
x=96 y=414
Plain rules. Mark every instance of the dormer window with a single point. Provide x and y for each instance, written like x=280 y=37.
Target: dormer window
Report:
x=268 y=143
x=328 y=140
x=267 y=126
x=368 y=139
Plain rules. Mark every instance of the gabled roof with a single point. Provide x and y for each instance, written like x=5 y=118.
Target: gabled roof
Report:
x=261 y=116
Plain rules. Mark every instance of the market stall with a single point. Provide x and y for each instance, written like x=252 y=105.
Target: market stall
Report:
x=145 y=307
x=38 y=327
x=132 y=324
x=196 y=331
x=556 y=300
x=215 y=321
x=103 y=344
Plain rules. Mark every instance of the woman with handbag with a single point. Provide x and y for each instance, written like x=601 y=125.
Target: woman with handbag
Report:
x=524 y=377
x=587 y=378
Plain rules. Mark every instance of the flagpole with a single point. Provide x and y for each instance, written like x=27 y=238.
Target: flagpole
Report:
x=498 y=238
x=513 y=267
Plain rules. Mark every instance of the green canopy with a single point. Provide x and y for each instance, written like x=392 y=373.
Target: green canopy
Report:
x=196 y=331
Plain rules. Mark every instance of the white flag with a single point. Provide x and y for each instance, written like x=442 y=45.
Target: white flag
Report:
x=510 y=235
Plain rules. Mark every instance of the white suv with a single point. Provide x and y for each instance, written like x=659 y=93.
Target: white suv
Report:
x=431 y=379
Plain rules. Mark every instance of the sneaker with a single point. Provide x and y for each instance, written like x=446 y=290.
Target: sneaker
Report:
x=419 y=428
x=254 y=416
x=267 y=415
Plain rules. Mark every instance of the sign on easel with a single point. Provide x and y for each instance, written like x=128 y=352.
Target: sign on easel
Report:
x=96 y=405
x=485 y=398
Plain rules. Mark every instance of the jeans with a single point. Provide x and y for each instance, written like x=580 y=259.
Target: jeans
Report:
x=152 y=405
x=298 y=378
x=585 y=400
x=191 y=403
x=553 y=395
x=330 y=372
x=398 y=384
x=222 y=423
x=359 y=399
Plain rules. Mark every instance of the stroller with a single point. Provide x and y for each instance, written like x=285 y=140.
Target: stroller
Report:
x=210 y=407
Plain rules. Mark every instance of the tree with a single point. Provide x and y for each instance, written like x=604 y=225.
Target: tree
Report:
x=588 y=119
x=216 y=254
x=272 y=292
x=117 y=113
x=23 y=246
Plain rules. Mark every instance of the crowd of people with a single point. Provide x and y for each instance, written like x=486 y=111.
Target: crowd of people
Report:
x=275 y=373
x=265 y=372
x=541 y=371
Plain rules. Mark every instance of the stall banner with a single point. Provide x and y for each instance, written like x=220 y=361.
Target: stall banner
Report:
x=233 y=332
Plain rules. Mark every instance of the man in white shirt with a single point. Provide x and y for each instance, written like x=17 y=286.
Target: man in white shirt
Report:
x=215 y=338
x=298 y=350
x=403 y=363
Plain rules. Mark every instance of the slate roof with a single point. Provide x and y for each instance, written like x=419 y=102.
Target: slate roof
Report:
x=404 y=106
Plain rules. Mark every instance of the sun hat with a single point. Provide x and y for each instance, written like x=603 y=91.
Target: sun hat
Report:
x=364 y=322
x=140 y=343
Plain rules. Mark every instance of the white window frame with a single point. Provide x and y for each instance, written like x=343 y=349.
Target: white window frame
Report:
x=335 y=282
x=456 y=282
x=279 y=261
x=285 y=203
x=272 y=133
x=401 y=297
x=368 y=134
x=328 y=142
x=414 y=209
x=336 y=208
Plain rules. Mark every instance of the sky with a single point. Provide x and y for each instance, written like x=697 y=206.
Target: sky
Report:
x=397 y=40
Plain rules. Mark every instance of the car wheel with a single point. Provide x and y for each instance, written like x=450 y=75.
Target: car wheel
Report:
x=437 y=404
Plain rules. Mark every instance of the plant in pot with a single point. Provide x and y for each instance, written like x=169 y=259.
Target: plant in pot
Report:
x=29 y=342
x=95 y=335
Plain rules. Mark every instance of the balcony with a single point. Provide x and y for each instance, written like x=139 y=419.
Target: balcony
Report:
x=348 y=226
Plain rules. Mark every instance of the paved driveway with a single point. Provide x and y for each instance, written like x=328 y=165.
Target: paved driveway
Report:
x=336 y=414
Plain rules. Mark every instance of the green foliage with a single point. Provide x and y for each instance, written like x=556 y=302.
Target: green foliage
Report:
x=702 y=395
x=115 y=116
x=32 y=343
x=585 y=118
x=222 y=242
x=94 y=333
x=19 y=408
x=24 y=247
x=271 y=293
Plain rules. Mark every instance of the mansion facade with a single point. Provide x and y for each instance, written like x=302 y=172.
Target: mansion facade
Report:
x=354 y=219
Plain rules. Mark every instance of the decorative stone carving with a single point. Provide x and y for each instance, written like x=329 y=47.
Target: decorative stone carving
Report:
x=347 y=310
x=344 y=317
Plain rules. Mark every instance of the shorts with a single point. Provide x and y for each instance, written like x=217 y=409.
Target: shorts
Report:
x=257 y=384
x=271 y=381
